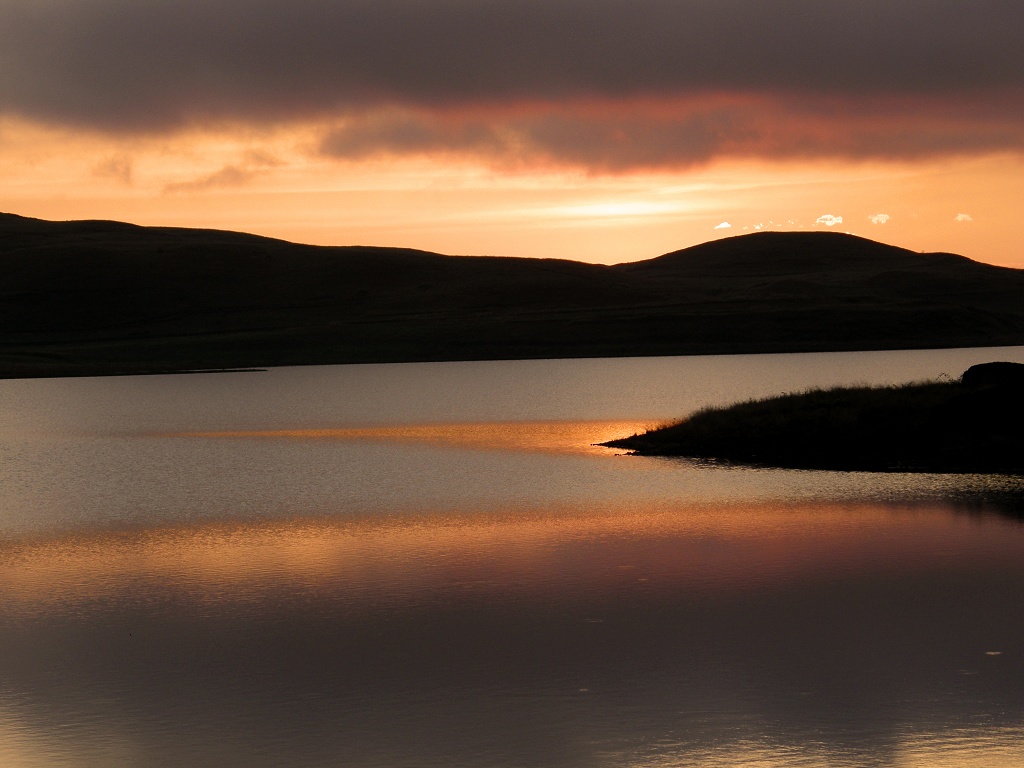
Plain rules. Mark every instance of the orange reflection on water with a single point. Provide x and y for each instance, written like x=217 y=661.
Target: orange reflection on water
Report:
x=574 y=437
x=414 y=558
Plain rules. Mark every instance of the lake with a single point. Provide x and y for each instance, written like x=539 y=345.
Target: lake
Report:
x=433 y=565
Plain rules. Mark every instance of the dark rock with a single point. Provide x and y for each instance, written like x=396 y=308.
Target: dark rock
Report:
x=999 y=374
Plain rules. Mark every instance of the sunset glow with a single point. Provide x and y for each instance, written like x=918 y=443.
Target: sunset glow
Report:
x=508 y=550
x=449 y=493
x=560 y=437
x=466 y=129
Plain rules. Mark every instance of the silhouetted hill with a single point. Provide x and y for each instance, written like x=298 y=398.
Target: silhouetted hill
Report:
x=96 y=297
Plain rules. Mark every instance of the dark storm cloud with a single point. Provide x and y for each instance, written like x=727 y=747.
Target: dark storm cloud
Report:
x=607 y=141
x=160 y=65
x=623 y=136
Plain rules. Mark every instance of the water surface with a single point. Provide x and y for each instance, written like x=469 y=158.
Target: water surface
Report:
x=423 y=565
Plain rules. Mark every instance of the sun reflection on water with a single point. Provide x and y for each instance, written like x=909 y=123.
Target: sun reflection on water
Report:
x=558 y=437
x=567 y=551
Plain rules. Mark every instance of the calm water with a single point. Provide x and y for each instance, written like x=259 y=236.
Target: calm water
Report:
x=431 y=565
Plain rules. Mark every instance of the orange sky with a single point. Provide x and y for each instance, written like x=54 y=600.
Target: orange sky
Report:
x=489 y=129
x=461 y=206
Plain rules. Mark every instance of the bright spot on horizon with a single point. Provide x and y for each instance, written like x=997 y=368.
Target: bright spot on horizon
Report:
x=963 y=217
x=724 y=225
x=879 y=218
x=829 y=220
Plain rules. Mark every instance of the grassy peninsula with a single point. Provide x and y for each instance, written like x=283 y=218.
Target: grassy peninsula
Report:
x=975 y=424
x=104 y=297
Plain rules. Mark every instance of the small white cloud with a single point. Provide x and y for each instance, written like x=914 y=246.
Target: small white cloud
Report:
x=963 y=217
x=879 y=218
x=724 y=225
x=759 y=226
x=829 y=220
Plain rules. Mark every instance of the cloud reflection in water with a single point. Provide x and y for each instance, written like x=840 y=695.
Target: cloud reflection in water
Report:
x=657 y=634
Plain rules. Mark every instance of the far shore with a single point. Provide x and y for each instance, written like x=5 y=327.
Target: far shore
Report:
x=95 y=298
x=76 y=373
x=74 y=369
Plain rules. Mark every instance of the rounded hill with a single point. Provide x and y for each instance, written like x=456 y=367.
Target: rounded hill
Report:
x=99 y=297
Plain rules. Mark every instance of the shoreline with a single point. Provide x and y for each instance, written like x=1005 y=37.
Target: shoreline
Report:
x=85 y=370
x=974 y=425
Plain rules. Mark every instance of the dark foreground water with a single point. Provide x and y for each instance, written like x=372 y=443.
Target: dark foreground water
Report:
x=431 y=565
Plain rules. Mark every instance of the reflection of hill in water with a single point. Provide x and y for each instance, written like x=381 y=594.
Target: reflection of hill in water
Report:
x=1008 y=503
x=82 y=297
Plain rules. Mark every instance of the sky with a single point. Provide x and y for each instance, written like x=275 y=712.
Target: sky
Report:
x=596 y=130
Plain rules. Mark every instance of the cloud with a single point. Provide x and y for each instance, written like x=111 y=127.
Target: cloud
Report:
x=258 y=158
x=829 y=220
x=119 y=168
x=253 y=163
x=399 y=132
x=604 y=136
x=228 y=176
x=879 y=218
x=724 y=225
x=623 y=135
x=963 y=218
x=692 y=81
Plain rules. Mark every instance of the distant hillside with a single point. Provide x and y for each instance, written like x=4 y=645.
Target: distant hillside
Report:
x=93 y=297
